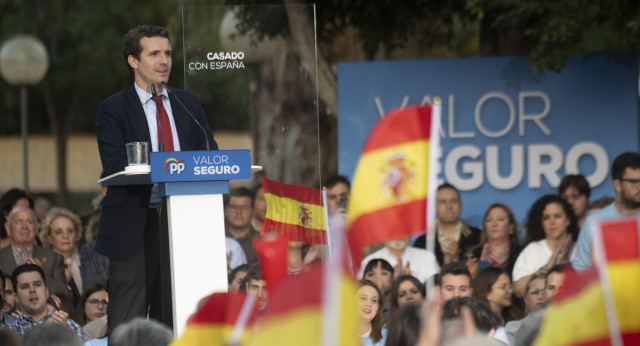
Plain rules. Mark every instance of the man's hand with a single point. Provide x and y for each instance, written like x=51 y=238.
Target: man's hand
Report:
x=400 y=269
x=59 y=317
x=449 y=250
x=39 y=262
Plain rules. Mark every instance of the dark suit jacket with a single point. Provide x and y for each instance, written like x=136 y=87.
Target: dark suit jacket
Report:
x=53 y=269
x=465 y=244
x=121 y=120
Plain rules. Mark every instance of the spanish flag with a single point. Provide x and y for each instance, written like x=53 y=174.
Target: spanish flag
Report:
x=295 y=315
x=294 y=211
x=600 y=306
x=213 y=324
x=389 y=193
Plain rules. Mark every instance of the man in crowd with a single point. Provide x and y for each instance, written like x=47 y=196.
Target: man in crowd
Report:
x=238 y=212
x=22 y=227
x=31 y=288
x=259 y=208
x=454 y=281
x=10 y=298
x=625 y=173
x=6 y=318
x=133 y=220
x=454 y=238
x=554 y=280
x=255 y=285
x=576 y=190
x=338 y=188
x=405 y=259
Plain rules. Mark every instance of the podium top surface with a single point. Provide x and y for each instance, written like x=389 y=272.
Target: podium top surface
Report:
x=140 y=177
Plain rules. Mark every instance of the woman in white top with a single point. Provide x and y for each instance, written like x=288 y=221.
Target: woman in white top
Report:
x=552 y=228
x=370 y=304
x=60 y=232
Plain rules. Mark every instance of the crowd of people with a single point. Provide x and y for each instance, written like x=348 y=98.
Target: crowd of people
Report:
x=498 y=278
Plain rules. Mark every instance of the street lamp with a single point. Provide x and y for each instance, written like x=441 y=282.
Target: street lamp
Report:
x=23 y=61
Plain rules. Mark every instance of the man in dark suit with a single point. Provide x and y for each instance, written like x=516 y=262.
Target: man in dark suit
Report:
x=130 y=224
x=22 y=227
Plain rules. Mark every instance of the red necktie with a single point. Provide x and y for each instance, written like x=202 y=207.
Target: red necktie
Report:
x=167 y=138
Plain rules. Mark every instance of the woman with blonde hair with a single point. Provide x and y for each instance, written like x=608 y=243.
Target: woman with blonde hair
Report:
x=499 y=246
x=60 y=231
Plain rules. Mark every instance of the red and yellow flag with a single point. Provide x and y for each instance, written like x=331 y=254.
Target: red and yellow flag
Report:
x=295 y=312
x=294 y=211
x=579 y=314
x=389 y=192
x=214 y=322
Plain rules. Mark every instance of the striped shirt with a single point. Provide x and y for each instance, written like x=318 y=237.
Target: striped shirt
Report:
x=24 y=323
x=21 y=255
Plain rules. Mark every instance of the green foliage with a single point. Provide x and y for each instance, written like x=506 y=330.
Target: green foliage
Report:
x=561 y=30
x=84 y=40
x=381 y=23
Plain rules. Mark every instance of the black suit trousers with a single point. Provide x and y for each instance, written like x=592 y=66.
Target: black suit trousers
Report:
x=140 y=286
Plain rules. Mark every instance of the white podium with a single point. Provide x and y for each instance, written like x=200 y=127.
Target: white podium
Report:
x=195 y=218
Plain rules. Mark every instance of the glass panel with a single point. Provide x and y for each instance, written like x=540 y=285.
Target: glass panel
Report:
x=256 y=90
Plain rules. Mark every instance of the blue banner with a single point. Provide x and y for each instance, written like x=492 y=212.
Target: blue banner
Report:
x=508 y=135
x=200 y=165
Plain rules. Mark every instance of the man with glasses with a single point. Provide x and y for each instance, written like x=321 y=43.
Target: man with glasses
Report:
x=238 y=212
x=625 y=173
x=22 y=227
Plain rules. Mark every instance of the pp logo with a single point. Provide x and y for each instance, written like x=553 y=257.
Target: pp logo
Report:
x=172 y=165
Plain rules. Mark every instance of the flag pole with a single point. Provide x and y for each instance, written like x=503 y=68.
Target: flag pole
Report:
x=605 y=284
x=243 y=318
x=327 y=227
x=331 y=291
x=432 y=182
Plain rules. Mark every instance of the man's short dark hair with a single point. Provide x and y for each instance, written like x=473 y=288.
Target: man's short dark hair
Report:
x=241 y=192
x=622 y=162
x=243 y=268
x=254 y=273
x=448 y=186
x=26 y=268
x=335 y=179
x=484 y=317
x=578 y=182
x=453 y=268
x=132 y=40
x=558 y=268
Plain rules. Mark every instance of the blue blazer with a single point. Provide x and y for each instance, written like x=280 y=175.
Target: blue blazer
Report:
x=121 y=120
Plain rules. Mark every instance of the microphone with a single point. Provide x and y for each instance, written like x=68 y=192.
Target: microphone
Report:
x=171 y=93
x=154 y=95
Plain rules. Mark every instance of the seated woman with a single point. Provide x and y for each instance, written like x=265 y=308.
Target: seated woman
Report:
x=60 y=232
x=380 y=273
x=493 y=286
x=370 y=303
x=534 y=298
x=92 y=311
x=406 y=289
x=95 y=267
x=534 y=292
x=499 y=246
x=552 y=229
